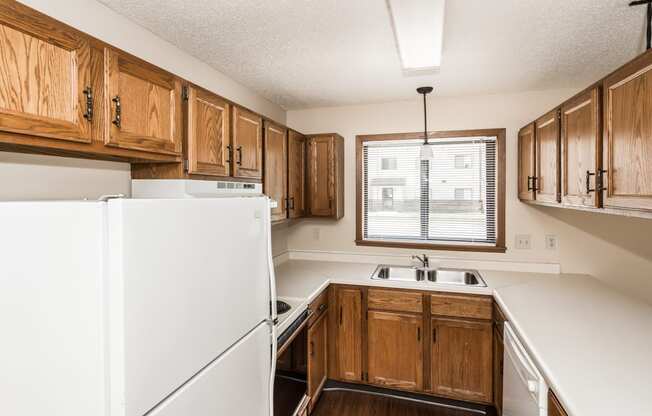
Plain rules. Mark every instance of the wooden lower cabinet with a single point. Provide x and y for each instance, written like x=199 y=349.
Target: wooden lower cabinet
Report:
x=498 y=371
x=554 y=407
x=461 y=359
x=317 y=358
x=345 y=347
x=395 y=350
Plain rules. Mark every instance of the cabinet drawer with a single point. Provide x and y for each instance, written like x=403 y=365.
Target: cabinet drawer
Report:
x=395 y=300
x=461 y=306
x=318 y=307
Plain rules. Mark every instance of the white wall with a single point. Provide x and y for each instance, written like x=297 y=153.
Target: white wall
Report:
x=611 y=248
x=47 y=177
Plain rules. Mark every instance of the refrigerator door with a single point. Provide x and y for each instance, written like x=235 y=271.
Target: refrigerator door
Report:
x=236 y=383
x=51 y=309
x=187 y=278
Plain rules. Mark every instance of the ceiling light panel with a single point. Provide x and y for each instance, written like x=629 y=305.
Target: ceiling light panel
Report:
x=418 y=28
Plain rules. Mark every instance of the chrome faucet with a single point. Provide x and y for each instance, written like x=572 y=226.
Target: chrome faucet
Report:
x=425 y=262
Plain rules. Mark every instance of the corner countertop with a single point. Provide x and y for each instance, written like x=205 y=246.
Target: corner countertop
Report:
x=592 y=344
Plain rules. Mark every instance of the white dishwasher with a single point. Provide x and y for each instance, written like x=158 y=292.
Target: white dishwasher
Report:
x=524 y=389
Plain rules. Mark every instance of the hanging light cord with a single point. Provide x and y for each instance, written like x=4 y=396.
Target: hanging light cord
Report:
x=425 y=91
x=649 y=19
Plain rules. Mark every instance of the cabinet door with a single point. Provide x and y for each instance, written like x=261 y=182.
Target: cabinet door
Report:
x=461 y=362
x=554 y=407
x=547 y=155
x=580 y=149
x=628 y=136
x=208 y=134
x=44 y=75
x=395 y=350
x=348 y=342
x=143 y=105
x=317 y=358
x=247 y=144
x=275 y=181
x=321 y=174
x=296 y=174
x=498 y=371
x=526 y=163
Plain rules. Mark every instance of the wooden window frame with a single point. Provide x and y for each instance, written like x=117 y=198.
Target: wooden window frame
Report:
x=499 y=134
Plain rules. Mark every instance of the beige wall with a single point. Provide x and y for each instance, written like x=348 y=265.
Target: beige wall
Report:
x=46 y=177
x=611 y=248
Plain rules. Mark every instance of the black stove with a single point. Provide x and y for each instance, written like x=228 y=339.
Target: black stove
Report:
x=282 y=307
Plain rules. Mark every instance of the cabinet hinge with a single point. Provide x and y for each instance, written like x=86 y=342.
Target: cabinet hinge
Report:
x=184 y=94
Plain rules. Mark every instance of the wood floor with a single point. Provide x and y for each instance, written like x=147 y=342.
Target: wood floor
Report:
x=346 y=403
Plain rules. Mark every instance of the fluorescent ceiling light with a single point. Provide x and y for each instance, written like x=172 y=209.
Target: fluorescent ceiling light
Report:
x=418 y=29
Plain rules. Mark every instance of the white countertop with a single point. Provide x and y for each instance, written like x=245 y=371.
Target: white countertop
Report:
x=593 y=344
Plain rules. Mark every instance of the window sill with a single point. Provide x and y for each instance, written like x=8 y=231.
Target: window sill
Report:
x=436 y=247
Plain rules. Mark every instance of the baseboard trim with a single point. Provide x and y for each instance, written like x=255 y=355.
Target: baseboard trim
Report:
x=377 y=258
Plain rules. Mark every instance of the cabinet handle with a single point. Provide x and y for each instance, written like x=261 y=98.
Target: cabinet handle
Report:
x=239 y=150
x=291 y=202
x=312 y=348
x=434 y=335
x=588 y=182
x=600 y=178
x=419 y=334
x=340 y=316
x=88 y=92
x=322 y=307
x=118 y=112
x=229 y=154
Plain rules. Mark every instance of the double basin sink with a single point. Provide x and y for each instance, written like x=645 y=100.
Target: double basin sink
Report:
x=422 y=274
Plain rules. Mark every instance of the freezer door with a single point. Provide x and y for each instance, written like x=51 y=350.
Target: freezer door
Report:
x=187 y=279
x=51 y=309
x=237 y=383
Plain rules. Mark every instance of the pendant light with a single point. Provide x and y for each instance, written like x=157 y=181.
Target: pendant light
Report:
x=426 y=149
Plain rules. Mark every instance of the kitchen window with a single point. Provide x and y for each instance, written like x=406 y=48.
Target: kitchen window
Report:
x=452 y=200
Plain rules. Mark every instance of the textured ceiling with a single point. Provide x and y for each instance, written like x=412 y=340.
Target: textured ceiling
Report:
x=311 y=53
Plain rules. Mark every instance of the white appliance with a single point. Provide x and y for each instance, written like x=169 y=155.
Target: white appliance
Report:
x=132 y=307
x=524 y=389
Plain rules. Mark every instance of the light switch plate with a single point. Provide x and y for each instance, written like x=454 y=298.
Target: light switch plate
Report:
x=523 y=241
x=551 y=242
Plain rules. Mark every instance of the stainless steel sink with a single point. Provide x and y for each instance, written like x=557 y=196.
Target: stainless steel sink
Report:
x=419 y=274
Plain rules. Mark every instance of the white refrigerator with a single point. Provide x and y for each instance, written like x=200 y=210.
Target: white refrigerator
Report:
x=132 y=307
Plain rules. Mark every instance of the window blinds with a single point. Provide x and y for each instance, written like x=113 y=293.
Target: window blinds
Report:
x=448 y=199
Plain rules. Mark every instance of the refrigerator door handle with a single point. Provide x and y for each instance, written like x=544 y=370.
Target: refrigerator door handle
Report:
x=273 y=313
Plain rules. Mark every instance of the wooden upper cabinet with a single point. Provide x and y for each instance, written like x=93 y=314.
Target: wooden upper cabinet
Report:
x=554 y=407
x=628 y=136
x=208 y=133
x=44 y=77
x=547 y=155
x=526 y=164
x=326 y=176
x=461 y=361
x=143 y=104
x=348 y=335
x=247 y=141
x=296 y=174
x=275 y=183
x=317 y=358
x=581 y=141
x=395 y=350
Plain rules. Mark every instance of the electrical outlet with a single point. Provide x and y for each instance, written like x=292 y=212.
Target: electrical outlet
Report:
x=551 y=242
x=523 y=242
x=315 y=233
